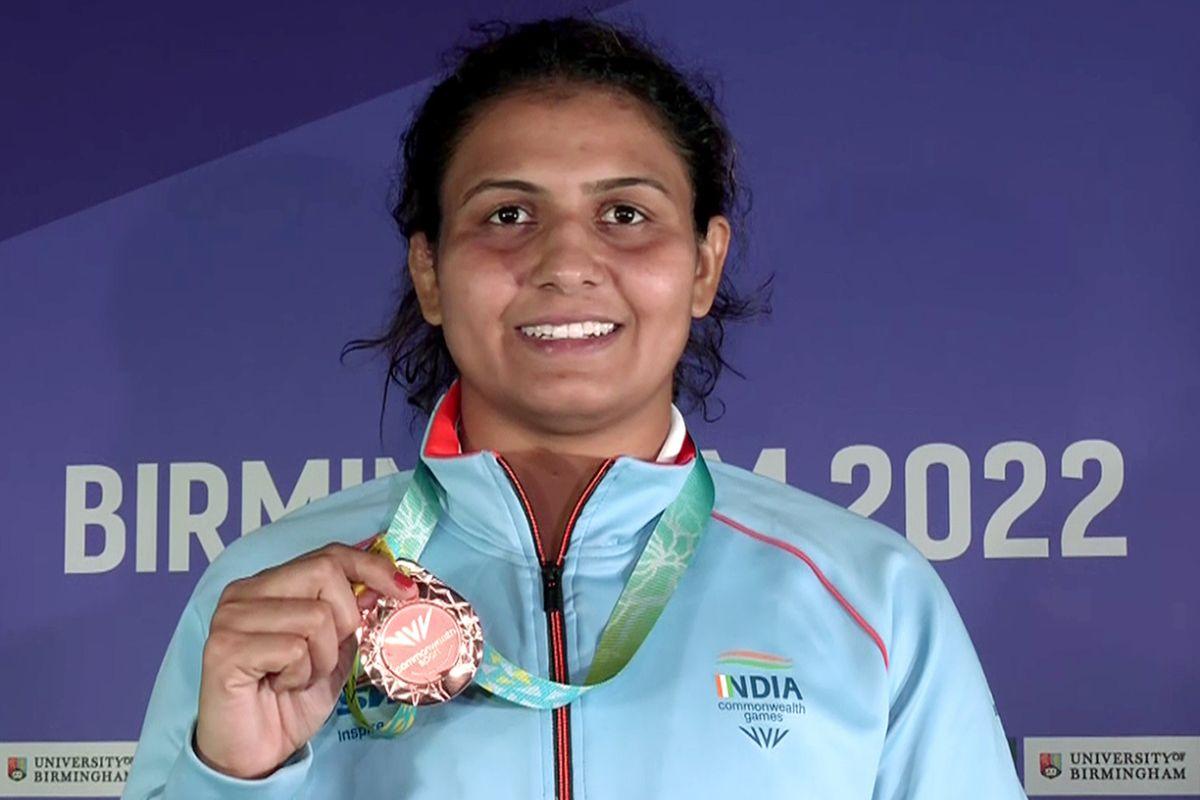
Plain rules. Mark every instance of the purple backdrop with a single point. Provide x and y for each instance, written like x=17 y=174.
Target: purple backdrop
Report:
x=983 y=221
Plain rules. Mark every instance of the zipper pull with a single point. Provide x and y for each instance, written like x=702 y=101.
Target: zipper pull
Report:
x=552 y=596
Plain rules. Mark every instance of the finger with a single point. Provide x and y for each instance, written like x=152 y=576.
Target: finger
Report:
x=311 y=619
x=336 y=681
x=233 y=659
x=340 y=594
x=368 y=598
x=376 y=571
x=349 y=608
x=364 y=601
x=346 y=653
x=307 y=575
x=337 y=594
x=320 y=574
x=296 y=675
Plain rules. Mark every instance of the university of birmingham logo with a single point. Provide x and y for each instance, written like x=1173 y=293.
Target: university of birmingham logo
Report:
x=413 y=633
x=1051 y=764
x=16 y=768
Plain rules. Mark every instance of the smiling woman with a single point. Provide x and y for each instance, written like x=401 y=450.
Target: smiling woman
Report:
x=589 y=221
x=627 y=622
x=592 y=145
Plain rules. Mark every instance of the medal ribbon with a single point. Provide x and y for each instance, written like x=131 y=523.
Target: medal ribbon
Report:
x=655 y=575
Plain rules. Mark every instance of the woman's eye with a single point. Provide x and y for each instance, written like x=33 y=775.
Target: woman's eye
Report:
x=623 y=214
x=508 y=214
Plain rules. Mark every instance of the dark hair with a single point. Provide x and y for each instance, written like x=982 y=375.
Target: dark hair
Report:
x=550 y=53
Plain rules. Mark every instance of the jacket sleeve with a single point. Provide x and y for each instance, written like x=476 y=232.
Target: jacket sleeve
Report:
x=165 y=766
x=944 y=738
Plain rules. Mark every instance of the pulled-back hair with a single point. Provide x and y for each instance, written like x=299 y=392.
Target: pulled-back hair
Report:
x=566 y=52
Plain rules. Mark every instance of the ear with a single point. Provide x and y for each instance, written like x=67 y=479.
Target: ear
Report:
x=421 y=267
x=710 y=262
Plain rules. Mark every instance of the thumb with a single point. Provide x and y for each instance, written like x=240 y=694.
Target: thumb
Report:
x=336 y=680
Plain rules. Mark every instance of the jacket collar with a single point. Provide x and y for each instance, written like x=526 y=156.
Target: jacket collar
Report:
x=482 y=500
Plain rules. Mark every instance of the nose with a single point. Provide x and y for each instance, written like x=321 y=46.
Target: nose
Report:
x=568 y=260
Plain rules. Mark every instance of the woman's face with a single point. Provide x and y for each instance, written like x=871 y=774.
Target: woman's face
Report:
x=567 y=270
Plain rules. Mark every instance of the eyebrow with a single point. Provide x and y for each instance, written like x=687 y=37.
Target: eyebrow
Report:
x=595 y=187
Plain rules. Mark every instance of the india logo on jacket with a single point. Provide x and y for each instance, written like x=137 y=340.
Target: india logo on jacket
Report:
x=756 y=688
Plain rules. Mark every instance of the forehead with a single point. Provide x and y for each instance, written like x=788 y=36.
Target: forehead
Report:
x=564 y=137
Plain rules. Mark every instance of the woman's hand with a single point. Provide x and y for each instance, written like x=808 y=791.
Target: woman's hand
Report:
x=279 y=649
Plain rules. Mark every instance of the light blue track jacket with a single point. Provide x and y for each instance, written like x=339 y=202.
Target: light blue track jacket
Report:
x=806 y=653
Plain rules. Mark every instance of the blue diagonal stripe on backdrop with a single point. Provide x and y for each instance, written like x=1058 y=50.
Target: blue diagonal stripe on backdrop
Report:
x=102 y=98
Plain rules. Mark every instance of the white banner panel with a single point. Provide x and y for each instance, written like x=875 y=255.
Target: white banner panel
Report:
x=64 y=769
x=1088 y=766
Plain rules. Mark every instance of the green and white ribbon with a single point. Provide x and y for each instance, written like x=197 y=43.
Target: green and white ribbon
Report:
x=662 y=563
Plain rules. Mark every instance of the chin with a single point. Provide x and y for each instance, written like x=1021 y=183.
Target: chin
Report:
x=573 y=401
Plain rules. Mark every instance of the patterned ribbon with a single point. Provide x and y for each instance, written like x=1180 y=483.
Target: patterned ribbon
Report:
x=658 y=570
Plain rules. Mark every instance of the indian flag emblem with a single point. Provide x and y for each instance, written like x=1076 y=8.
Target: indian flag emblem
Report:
x=735 y=685
x=753 y=660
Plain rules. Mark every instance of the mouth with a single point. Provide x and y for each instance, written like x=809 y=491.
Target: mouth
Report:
x=570 y=331
x=584 y=337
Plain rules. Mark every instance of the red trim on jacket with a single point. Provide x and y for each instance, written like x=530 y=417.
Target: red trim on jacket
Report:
x=800 y=554
x=443 y=428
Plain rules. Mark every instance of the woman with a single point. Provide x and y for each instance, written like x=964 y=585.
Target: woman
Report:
x=566 y=201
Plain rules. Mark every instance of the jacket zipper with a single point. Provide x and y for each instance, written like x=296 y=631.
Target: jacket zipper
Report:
x=556 y=628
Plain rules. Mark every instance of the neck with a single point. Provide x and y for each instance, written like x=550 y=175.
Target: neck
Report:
x=639 y=433
x=555 y=465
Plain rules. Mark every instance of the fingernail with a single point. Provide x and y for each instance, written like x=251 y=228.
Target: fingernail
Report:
x=403 y=581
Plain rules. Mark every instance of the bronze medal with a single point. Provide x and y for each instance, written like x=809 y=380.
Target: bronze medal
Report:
x=424 y=650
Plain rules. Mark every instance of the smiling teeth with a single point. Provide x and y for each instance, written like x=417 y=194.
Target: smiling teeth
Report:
x=575 y=330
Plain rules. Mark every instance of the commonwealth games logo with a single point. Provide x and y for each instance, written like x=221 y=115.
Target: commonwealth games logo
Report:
x=757 y=687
